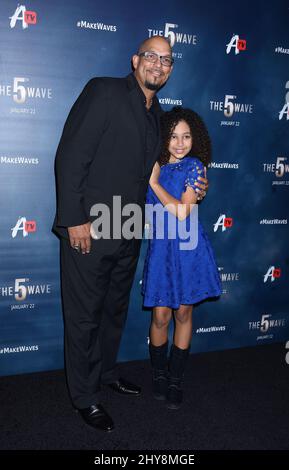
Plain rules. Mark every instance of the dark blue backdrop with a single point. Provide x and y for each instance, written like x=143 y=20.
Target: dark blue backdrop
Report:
x=231 y=66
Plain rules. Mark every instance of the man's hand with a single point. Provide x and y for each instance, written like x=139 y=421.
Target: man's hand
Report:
x=79 y=237
x=203 y=184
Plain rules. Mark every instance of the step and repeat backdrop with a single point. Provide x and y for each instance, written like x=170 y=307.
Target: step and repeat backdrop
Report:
x=232 y=67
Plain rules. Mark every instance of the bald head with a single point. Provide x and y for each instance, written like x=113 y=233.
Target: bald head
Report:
x=155 y=41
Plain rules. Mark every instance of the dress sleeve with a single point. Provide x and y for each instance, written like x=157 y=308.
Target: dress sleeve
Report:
x=194 y=170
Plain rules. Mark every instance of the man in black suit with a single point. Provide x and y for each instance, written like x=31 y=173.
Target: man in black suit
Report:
x=109 y=145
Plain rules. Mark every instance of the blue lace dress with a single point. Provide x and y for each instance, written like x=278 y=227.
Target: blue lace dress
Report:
x=173 y=276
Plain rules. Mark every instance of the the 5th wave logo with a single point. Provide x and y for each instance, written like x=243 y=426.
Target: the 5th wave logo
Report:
x=173 y=35
x=26 y=17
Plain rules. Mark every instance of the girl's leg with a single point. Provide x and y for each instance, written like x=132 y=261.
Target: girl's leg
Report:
x=159 y=327
x=158 y=348
x=184 y=326
x=178 y=355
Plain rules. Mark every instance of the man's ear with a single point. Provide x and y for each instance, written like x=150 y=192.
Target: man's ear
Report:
x=135 y=60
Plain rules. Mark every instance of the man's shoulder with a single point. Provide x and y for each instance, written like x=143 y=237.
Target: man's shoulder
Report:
x=108 y=82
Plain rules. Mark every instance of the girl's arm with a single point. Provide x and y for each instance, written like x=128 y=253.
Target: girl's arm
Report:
x=180 y=208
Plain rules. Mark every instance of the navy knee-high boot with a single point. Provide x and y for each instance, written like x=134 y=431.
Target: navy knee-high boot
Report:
x=159 y=370
x=177 y=362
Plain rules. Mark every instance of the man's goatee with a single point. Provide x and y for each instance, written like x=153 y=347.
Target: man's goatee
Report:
x=152 y=86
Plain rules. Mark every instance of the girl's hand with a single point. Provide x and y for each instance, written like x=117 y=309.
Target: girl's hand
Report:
x=203 y=185
x=154 y=179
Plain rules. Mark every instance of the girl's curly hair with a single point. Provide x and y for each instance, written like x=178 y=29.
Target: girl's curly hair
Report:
x=201 y=148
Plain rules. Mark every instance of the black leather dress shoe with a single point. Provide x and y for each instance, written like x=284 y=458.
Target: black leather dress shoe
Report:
x=97 y=417
x=125 y=388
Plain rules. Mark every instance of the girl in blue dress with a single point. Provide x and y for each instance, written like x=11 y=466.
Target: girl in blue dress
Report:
x=177 y=273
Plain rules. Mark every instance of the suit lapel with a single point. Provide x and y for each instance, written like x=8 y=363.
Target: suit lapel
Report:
x=136 y=106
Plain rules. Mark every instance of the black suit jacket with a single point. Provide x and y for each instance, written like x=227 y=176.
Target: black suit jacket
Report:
x=102 y=151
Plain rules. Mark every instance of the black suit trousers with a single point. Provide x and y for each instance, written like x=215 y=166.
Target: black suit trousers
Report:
x=95 y=294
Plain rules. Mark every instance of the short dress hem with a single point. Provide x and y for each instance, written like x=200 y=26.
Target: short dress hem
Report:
x=150 y=303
